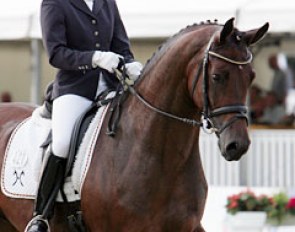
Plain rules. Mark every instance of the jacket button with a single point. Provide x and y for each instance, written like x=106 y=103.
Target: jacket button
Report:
x=97 y=45
x=93 y=21
x=96 y=33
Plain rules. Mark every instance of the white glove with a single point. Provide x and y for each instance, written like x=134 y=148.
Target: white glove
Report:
x=106 y=60
x=133 y=70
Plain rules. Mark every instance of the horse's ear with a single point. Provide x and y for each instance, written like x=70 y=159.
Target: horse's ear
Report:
x=254 y=36
x=226 y=30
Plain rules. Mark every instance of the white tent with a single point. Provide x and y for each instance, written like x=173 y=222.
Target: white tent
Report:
x=142 y=19
x=280 y=15
x=163 y=18
x=19 y=20
x=159 y=18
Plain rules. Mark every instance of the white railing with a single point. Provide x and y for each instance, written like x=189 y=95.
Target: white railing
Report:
x=270 y=161
x=217 y=170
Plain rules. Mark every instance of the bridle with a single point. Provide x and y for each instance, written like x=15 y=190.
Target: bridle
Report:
x=207 y=114
x=206 y=123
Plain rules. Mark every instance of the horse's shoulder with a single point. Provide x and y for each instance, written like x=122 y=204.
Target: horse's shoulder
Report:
x=17 y=106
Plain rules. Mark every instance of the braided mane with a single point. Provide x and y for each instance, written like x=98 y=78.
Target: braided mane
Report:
x=164 y=45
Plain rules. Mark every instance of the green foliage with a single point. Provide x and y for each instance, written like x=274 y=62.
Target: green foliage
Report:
x=248 y=201
x=276 y=206
x=279 y=209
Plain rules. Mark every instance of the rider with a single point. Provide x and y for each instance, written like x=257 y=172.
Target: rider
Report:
x=84 y=39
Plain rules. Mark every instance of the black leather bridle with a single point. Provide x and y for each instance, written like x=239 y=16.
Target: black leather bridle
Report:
x=207 y=114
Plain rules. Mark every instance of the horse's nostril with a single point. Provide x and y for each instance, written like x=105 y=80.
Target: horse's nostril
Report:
x=235 y=149
x=232 y=146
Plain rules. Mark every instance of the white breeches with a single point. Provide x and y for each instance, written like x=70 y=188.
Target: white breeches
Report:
x=65 y=112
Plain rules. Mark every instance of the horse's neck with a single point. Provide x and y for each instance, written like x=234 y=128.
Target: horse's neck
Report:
x=165 y=87
x=165 y=81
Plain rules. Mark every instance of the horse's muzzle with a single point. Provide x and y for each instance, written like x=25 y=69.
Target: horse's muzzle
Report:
x=235 y=149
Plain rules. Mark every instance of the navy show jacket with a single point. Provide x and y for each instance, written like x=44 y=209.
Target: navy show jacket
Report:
x=71 y=33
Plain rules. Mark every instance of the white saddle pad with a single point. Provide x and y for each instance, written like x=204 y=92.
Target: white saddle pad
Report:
x=23 y=157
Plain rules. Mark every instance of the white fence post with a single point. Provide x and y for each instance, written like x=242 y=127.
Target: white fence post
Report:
x=270 y=161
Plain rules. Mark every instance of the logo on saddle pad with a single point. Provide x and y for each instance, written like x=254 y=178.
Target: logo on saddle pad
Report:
x=24 y=154
x=19 y=159
x=18 y=177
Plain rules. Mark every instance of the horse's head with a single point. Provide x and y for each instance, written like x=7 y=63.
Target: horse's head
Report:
x=223 y=78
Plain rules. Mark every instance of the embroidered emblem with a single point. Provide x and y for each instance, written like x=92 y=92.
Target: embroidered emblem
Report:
x=19 y=159
x=18 y=178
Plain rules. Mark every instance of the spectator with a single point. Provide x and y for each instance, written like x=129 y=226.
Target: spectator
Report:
x=6 y=97
x=256 y=103
x=290 y=107
x=274 y=111
x=282 y=78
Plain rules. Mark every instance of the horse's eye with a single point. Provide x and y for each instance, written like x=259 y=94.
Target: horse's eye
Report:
x=216 y=77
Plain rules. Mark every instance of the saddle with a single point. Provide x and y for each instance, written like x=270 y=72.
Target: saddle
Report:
x=84 y=121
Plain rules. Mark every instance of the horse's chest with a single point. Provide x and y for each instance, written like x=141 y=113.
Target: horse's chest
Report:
x=158 y=208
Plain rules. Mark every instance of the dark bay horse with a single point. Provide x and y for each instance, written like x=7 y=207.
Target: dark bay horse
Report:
x=149 y=177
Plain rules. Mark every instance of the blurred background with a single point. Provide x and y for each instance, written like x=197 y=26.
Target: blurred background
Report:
x=270 y=163
x=25 y=71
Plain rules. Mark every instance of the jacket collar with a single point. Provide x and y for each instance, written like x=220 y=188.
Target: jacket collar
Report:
x=97 y=5
x=81 y=5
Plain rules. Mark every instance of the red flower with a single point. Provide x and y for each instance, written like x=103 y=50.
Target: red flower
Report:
x=233 y=205
x=291 y=204
x=234 y=197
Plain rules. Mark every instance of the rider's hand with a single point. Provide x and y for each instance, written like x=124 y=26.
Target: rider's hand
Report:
x=106 y=60
x=133 y=70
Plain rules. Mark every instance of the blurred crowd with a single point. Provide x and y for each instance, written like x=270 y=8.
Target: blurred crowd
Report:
x=277 y=105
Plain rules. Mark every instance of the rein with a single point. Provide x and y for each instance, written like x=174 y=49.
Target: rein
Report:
x=128 y=85
x=206 y=123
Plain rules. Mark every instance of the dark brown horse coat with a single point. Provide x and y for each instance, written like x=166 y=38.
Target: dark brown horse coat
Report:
x=149 y=177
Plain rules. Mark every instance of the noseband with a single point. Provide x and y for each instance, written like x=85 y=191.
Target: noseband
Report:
x=207 y=114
